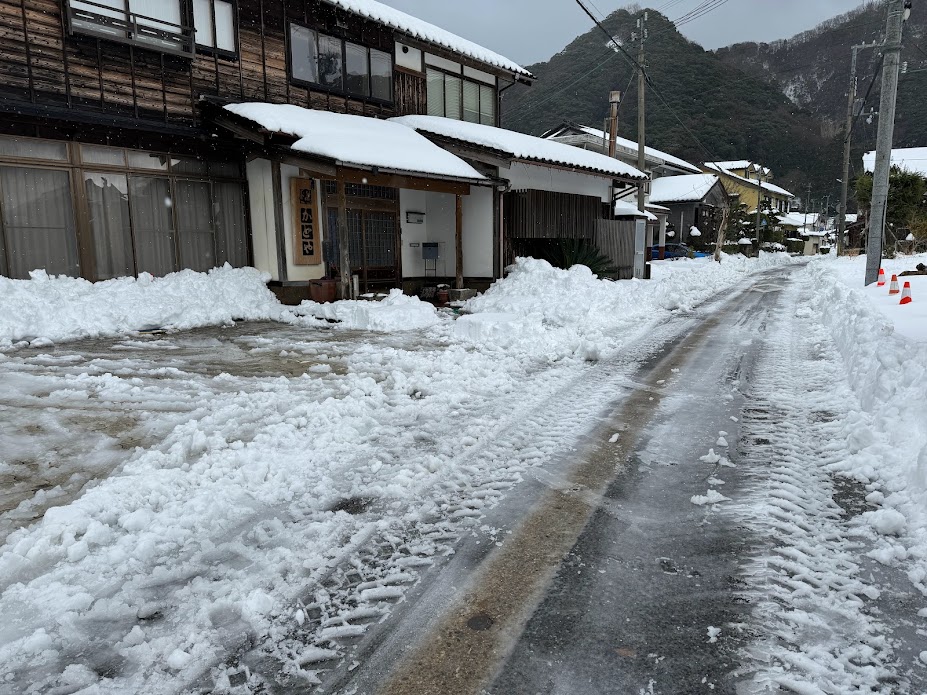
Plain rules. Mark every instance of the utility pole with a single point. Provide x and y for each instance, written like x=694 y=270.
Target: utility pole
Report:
x=614 y=99
x=641 y=114
x=845 y=181
x=898 y=11
x=759 y=203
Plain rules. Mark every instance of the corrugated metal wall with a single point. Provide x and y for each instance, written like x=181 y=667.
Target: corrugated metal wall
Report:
x=615 y=239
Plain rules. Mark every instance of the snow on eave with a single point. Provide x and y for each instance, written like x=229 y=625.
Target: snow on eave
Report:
x=358 y=141
x=521 y=147
x=429 y=33
x=629 y=145
x=623 y=209
x=911 y=159
x=682 y=189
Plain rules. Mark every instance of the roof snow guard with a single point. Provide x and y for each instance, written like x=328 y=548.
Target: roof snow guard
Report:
x=358 y=141
x=521 y=147
x=429 y=33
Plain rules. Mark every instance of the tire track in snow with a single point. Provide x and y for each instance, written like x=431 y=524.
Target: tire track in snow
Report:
x=817 y=630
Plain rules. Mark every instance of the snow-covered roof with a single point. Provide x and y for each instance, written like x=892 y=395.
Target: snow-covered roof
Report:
x=356 y=140
x=751 y=182
x=741 y=164
x=429 y=33
x=659 y=208
x=913 y=159
x=520 y=146
x=631 y=145
x=797 y=219
x=623 y=209
x=744 y=241
x=678 y=189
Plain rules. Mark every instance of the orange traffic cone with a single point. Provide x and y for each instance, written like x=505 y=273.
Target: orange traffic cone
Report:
x=881 y=278
x=906 y=295
x=894 y=288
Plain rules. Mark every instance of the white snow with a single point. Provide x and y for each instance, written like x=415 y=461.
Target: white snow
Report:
x=913 y=159
x=888 y=522
x=228 y=477
x=710 y=497
x=713 y=633
x=625 y=209
x=674 y=189
x=45 y=310
x=519 y=145
x=422 y=30
x=397 y=312
x=356 y=140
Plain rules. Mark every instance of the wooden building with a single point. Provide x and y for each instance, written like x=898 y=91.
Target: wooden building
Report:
x=694 y=200
x=117 y=156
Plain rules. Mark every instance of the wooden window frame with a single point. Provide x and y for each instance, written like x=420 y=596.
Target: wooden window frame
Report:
x=463 y=78
x=318 y=87
x=214 y=50
x=185 y=46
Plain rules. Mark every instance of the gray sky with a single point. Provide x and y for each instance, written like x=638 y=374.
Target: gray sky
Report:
x=528 y=31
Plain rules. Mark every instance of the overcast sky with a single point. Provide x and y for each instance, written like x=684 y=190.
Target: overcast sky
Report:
x=529 y=31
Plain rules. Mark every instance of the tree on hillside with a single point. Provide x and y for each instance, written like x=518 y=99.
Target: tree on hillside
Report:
x=907 y=208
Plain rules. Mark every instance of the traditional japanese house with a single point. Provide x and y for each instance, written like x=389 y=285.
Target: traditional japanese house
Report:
x=122 y=150
x=552 y=191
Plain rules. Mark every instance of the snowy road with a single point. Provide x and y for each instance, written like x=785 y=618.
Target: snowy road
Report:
x=290 y=509
x=665 y=556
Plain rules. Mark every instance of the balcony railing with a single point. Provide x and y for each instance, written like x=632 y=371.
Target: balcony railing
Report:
x=124 y=26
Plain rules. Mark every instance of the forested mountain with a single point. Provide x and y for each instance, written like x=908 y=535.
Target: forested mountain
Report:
x=782 y=103
x=812 y=69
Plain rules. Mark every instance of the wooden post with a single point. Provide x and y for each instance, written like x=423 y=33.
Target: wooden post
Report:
x=459 y=243
x=343 y=238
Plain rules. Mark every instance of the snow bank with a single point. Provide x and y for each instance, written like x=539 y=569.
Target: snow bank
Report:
x=394 y=313
x=886 y=363
x=554 y=313
x=46 y=309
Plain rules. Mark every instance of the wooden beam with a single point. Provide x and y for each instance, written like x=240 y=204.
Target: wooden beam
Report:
x=412 y=183
x=343 y=240
x=277 y=186
x=458 y=241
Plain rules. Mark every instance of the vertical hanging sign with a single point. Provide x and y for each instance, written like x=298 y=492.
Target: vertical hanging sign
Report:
x=307 y=242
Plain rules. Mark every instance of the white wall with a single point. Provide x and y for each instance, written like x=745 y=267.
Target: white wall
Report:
x=478 y=233
x=441 y=226
x=263 y=236
x=533 y=177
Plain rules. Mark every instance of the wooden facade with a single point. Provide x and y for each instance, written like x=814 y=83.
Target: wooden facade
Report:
x=45 y=68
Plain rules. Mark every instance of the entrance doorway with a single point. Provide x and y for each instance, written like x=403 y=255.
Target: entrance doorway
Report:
x=373 y=235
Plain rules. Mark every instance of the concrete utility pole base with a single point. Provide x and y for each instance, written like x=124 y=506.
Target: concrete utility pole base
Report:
x=880 y=178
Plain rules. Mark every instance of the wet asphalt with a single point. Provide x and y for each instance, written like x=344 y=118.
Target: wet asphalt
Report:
x=613 y=577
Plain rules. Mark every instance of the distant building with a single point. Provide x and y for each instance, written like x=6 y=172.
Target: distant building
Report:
x=750 y=183
x=912 y=159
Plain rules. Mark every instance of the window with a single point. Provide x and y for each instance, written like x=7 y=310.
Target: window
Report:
x=156 y=24
x=217 y=16
x=37 y=222
x=357 y=69
x=132 y=211
x=454 y=97
x=340 y=66
x=381 y=75
x=305 y=55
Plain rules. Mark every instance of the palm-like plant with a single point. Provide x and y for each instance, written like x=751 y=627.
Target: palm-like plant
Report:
x=570 y=252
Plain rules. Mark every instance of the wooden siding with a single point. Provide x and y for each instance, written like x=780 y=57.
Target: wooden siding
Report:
x=411 y=94
x=544 y=215
x=41 y=64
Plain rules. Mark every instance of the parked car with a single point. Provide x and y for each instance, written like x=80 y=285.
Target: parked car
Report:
x=676 y=251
